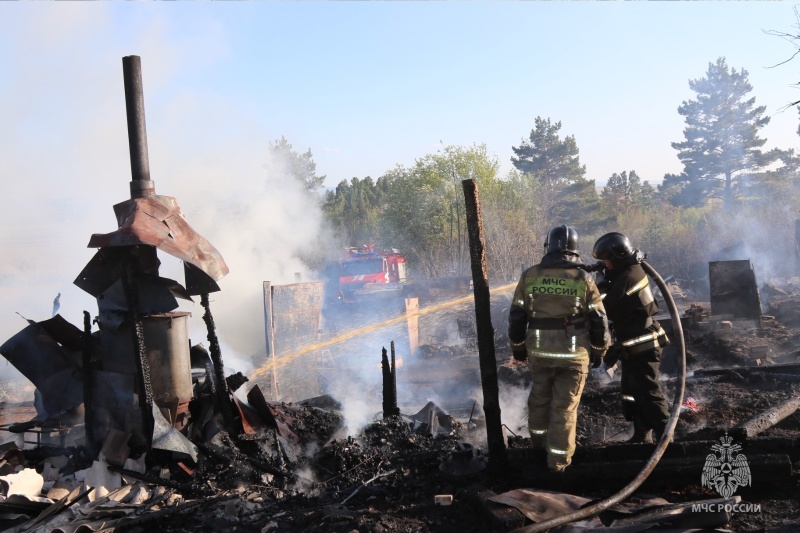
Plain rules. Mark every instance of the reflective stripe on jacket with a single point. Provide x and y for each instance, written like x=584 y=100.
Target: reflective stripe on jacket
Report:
x=557 y=289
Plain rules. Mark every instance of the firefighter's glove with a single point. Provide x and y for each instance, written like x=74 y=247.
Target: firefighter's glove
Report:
x=596 y=356
x=519 y=351
x=612 y=356
x=594 y=267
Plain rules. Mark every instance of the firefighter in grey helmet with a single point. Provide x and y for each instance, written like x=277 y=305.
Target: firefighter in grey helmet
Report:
x=638 y=337
x=558 y=324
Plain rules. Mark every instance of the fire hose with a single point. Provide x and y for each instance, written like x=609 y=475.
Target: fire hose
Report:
x=627 y=490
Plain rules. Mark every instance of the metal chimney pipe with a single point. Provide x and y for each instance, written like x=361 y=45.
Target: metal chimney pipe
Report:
x=140 y=185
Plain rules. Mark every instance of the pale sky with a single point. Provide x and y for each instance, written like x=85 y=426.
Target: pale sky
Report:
x=368 y=85
x=365 y=85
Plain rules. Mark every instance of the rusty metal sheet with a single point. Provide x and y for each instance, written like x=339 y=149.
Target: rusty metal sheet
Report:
x=48 y=366
x=296 y=311
x=158 y=221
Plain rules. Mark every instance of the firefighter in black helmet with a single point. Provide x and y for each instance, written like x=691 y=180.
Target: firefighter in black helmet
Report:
x=557 y=322
x=631 y=306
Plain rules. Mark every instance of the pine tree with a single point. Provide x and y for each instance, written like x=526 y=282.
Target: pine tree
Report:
x=547 y=157
x=721 y=136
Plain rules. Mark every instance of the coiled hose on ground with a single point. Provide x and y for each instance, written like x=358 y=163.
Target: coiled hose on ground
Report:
x=627 y=490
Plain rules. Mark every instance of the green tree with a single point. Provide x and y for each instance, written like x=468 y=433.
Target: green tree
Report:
x=626 y=191
x=579 y=205
x=354 y=208
x=513 y=240
x=424 y=208
x=547 y=157
x=300 y=166
x=557 y=192
x=721 y=135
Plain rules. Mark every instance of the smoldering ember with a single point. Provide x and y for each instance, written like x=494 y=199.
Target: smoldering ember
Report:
x=391 y=406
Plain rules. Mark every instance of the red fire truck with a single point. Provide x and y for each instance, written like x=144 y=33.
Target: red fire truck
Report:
x=366 y=272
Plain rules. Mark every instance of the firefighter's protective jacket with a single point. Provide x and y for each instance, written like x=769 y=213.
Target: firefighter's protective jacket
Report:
x=630 y=305
x=557 y=311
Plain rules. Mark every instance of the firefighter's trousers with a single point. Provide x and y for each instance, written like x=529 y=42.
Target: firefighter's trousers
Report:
x=553 y=406
x=642 y=396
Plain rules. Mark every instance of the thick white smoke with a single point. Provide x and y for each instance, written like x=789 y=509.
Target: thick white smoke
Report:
x=65 y=161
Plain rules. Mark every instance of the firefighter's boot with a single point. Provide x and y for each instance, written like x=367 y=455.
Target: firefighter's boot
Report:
x=659 y=430
x=641 y=434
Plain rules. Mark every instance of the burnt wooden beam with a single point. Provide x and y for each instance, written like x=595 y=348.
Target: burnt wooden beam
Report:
x=671 y=472
x=485 y=331
x=765 y=420
x=680 y=449
x=791 y=368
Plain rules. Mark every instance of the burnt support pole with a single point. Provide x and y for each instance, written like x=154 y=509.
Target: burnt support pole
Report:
x=222 y=390
x=395 y=410
x=485 y=331
x=389 y=385
x=88 y=385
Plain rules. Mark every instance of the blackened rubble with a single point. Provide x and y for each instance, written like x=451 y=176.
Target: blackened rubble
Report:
x=120 y=438
x=388 y=476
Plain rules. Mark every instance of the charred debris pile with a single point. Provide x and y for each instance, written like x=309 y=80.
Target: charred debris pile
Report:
x=134 y=426
x=135 y=429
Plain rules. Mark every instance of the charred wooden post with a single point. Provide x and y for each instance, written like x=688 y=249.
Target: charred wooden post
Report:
x=768 y=418
x=222 y=391
x=485 y=331
x=88 y=402
x=393 y=383
x=386 y=372
x=389 y=385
